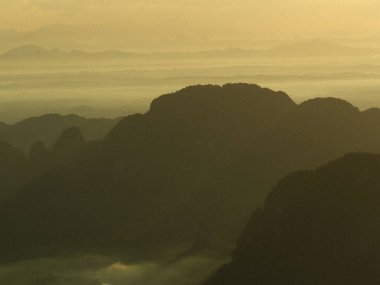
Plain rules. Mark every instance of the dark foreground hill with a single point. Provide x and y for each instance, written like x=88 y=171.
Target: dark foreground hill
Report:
x=183 y=177
x=316 y=227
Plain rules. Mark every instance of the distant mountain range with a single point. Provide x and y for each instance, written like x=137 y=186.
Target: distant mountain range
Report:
x=318 y=48
x=306 y=48
x=34 y=52
x=64 y=36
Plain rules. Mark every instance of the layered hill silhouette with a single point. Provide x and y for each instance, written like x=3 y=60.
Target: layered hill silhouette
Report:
x=32 y=52
x=301 y=48
x=18 y=169
x=186 y=174
x=318 y=47
x=47 y=128
x=38 y=145
x=316 y=227
x=35 y=52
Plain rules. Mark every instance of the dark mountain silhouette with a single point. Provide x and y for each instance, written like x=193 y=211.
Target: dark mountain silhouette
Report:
x=159 y=162
x=316 y=227
x=69 y=140
x=50 y=143
x=17 y=170
x=47 y=129
x=3 y=126
x=39 y=156
x=197 y=162
x=321 y=129
x=66 y=153
x=13 y=168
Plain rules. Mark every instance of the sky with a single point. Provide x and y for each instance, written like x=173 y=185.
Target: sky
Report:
x=201 y=18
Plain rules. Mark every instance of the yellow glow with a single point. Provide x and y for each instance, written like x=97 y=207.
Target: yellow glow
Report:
x=210 y=18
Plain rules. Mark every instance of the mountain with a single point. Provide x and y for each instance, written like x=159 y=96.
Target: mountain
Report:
x=32 y=52
x=16 y=169
x=317 y=47
x=182 y=177
x=48 y=127
x=13 y=168
x=145 y=187
x=305 y=48
x=70 y=139
x=316 y=227
x=63 y=36
x=322 y=129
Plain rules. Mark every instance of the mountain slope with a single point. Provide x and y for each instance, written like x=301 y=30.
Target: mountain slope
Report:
x=316 y=227
x=146 y=184
x=13 y=168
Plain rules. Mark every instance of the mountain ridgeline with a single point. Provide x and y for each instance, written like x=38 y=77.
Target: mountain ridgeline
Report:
x=183 y=177
x=47 y=128
x=37 y=145
x=300 y=48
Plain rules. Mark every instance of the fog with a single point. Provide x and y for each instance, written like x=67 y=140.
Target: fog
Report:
x=99 y=88
x=191 y=169
x=120 y=85
x=101 y=270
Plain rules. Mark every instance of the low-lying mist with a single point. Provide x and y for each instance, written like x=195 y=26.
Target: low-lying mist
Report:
x=118 y=87
x=95 y=270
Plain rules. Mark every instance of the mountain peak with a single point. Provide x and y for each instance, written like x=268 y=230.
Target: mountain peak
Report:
x=328 y=105
x=205 y=99
x=70 y=139
x=31 y=51
x=38 y=151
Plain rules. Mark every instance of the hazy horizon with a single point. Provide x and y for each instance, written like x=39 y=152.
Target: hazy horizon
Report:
x=189 y=25
x=148 y=142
